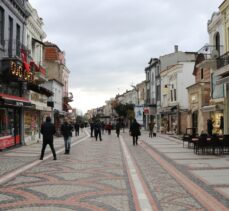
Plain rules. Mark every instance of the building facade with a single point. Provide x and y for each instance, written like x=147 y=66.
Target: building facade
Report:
x=152 y=79
x=14 y=72
x=223 y=64
x=176 y=74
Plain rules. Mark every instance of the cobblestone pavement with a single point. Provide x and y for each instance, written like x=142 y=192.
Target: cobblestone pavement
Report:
x=92 y=177
x=158 y=174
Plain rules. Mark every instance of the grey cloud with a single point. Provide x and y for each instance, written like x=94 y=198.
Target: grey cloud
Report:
x=108 y=43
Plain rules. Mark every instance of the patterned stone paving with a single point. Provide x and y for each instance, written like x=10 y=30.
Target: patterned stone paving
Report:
x=204 y=170
x=166 y=190
x=92 y=177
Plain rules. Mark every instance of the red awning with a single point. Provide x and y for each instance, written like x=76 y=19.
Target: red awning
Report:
x=12 y=97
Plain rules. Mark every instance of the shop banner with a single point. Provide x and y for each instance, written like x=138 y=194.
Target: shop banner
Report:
x=138 y=110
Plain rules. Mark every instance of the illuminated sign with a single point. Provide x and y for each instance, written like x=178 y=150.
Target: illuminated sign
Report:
x=20 y=72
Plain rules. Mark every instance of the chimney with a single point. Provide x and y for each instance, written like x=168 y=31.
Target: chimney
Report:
x=176 y=48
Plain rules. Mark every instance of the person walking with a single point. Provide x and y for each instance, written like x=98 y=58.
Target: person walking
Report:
x=66 y=130
x=209 y=126
x=97 y=130
x=117 y=128
x=135 y=132
x=77 y=129
x=154 y=130
x=48 y=130
x=102 y=127
x=151 y=126
x=109 y=127
x=221 y=125
x=92 y=128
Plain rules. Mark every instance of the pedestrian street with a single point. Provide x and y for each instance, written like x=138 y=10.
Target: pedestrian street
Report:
x=112 y=174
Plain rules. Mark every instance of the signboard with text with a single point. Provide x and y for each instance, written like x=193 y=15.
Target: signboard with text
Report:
x=138 y=110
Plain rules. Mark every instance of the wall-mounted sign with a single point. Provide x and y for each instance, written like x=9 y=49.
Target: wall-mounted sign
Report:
x=18 y=70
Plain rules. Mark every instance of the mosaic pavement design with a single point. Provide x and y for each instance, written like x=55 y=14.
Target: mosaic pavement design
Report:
x=92 y=177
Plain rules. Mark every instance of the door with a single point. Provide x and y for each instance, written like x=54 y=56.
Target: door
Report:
x=195 y=122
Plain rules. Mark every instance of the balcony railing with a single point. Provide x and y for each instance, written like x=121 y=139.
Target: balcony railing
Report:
x=223 y=60
x=68 y=97
x=211 y=51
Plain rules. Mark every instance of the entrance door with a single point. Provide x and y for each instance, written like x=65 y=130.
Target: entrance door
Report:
x=195 y=121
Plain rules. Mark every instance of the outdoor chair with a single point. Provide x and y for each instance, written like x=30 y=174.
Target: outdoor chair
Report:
x=186 y=138
x=201 y=144
x=225 y=143
x=216 y=144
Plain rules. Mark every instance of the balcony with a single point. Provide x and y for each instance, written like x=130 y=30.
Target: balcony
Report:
x=39 y=71
x=209 y=54
x=68 y=97
x=222 y=62
x=223 y=69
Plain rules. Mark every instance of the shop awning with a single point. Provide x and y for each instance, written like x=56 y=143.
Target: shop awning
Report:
x=209 y=108
x=14 y=100
x=222 y=80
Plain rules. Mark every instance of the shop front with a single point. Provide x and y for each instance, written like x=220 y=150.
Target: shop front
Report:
x=31 y=126
x=215 y=112
x=170 y=120
x=11 y=108
x=150 y=115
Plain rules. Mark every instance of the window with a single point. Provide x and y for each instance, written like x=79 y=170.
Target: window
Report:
x=18 y=38
x=171 y=94
x=158 y=92
x=217 y=42
x=1 y=26
x=10 y=32
x=202 y=73
x=6 y=122
x=175 y=94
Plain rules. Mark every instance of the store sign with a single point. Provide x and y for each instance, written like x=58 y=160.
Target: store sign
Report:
x=138 y=110
x=18 y=70
x=17 y=103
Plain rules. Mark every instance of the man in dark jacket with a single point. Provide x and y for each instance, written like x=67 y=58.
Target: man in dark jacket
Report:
x=66 y=130
x=48 y=130
x=118 y=127
x=135 y=131
x=77 y=128
x=97 y=130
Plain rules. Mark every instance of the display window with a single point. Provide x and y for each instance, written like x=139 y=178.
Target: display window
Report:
x=216 y=121
x=9 y=127
x=6 y=122
x=31 y=125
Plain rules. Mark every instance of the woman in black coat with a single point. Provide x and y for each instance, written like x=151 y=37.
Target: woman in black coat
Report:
x=135 y=131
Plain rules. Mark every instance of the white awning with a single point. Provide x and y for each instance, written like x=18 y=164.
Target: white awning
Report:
x=209 y=108
x=222 y=80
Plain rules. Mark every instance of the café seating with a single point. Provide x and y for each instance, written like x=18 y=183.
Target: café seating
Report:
x=201 y=144
x=225 y=143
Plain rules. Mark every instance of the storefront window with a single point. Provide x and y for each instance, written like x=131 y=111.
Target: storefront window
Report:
x=216 y=121
x=7 y=125
x=31 y=125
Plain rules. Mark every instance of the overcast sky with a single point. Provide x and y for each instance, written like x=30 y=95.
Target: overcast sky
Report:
x=108 y=43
